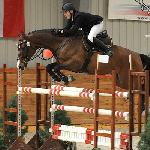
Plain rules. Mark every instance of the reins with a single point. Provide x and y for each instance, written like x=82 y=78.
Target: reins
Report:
x=39 y=51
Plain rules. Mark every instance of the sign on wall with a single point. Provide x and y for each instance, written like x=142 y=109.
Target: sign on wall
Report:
x=129 y=9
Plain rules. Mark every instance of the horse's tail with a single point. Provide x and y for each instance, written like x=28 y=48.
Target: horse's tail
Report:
x=146 y=65
x=145 y=61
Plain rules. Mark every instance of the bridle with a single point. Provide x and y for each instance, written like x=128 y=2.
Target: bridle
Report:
x=24 y=45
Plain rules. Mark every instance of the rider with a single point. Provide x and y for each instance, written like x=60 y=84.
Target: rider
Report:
x=90 y=24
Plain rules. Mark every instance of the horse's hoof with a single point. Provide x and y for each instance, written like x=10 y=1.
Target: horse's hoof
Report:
x=71 y=78
x=64 y=80
x=64 y=83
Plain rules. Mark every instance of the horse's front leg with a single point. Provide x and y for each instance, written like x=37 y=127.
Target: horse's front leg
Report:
x=65 y=79
x=50 y=68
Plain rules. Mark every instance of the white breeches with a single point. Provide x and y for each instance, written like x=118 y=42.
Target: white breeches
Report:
x=95 y=30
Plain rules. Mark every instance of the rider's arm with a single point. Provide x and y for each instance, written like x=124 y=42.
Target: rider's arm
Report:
x=71 y=31
x=74 y=28
x=68 y=24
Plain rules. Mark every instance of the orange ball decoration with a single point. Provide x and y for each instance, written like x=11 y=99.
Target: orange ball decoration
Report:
x=47 y=53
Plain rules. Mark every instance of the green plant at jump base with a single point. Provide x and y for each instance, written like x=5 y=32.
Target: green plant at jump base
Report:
x=144 y=143
x=11 y=131
x=60 y=118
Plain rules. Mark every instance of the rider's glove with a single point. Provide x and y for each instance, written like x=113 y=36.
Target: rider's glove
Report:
x=58 y=32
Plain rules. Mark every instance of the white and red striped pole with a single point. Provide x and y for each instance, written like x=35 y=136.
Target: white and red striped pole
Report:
x=85 y=135
x=56 y=92
x=77 y=92
x=73 y=89
x=90 y=110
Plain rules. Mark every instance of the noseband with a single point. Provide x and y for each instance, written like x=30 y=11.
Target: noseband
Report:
x=25 y=49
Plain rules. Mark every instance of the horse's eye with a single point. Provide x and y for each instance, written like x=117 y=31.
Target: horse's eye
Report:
x=21 y=45
x=19 y=55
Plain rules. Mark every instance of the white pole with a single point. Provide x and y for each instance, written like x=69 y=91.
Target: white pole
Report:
x=52 y=99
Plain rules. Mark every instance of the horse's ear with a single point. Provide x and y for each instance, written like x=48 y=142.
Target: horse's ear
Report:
x=21 y=36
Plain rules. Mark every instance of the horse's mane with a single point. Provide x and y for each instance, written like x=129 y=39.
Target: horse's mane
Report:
x=79 y=33
x=42 y=31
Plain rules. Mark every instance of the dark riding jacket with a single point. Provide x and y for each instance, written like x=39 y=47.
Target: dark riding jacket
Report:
x=81 y=20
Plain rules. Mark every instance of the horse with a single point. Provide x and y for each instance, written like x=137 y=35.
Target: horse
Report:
x=71 y=53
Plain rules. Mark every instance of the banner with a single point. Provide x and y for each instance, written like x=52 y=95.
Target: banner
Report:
x=11 y=18
x=129 y=9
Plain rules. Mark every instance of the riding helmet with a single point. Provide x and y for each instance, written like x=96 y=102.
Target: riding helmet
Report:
x=68 y=7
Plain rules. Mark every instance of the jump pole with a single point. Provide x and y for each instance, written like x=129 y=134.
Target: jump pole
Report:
x=75 y=93
x=85 y=135
x=19 y=99
x=124 y=115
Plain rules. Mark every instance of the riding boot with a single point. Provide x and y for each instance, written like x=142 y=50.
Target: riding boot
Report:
x=89 y=45
x=101 y=46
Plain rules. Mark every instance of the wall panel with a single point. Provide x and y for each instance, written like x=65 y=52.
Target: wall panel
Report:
x=129 y=34
x=39 y=14
x=122 y=33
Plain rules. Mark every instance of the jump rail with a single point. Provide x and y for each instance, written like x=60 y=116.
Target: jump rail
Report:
x=124 y=115
x=63 y=88
x=69 y=91
x=85 y=135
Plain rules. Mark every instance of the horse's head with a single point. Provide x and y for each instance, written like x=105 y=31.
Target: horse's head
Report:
x=26 y=50
x=32 y=45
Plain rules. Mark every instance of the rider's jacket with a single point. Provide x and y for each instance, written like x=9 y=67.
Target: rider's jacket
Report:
x=81 y=20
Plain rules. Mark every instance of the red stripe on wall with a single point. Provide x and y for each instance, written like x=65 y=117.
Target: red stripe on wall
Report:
x=14 y=23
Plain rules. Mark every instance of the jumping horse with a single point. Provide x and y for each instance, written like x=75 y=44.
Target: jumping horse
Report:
x=73 y=54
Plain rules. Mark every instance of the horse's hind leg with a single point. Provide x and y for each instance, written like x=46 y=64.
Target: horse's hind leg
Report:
x=51 y=71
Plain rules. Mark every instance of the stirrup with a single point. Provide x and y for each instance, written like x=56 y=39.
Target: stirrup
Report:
x=109 y=53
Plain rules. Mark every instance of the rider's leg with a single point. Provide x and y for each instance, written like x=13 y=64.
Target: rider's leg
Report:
x=101 y=45
x=92 y=37
x=96 y=29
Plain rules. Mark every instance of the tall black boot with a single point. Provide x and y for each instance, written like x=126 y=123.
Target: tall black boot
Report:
x=101 y=46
